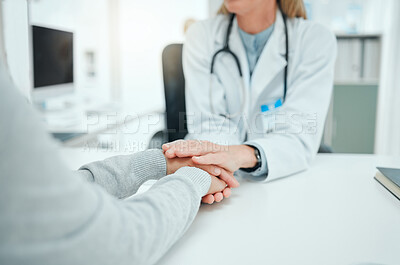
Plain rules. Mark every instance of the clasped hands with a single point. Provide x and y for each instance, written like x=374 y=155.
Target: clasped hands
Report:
x=220 y=161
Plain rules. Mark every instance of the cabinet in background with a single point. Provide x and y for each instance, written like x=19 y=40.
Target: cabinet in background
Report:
x=350 y=126
x=351 y=120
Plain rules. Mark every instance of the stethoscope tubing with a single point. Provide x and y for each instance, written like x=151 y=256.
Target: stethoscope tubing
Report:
x=227 y=50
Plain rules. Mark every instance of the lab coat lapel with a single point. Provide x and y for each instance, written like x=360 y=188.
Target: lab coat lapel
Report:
x=271 y=60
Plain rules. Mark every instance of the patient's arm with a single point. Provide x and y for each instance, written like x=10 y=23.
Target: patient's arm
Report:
x=121 y=176
x=50 y=216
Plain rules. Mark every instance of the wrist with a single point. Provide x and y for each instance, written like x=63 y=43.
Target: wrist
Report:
x=247 y=158
x=173 y=164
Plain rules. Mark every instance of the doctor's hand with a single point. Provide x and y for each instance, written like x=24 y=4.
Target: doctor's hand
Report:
x=221 y=180
x=230 y=158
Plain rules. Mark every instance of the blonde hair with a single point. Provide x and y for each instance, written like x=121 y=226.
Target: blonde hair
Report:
x=188 y=23
x=291 y=8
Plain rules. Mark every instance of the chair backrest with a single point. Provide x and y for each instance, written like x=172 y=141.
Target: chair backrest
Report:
x=174 y=88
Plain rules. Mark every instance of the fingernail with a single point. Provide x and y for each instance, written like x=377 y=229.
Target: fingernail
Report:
x=217 y=171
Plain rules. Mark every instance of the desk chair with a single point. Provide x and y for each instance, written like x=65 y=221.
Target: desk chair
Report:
x=174 y=89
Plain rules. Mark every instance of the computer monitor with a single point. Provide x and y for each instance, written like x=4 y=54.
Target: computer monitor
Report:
x=53 y=62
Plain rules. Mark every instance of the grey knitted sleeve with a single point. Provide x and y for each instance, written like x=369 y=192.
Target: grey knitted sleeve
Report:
x=122 y=176
x=200 y=178
x=50 y=216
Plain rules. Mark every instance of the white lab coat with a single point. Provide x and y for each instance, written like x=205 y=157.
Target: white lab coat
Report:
x=291 y=141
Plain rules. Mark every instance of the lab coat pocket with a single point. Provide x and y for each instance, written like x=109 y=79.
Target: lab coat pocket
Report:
x=269 y=113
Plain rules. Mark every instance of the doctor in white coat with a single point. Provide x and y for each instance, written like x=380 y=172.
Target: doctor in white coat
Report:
x=269 y=129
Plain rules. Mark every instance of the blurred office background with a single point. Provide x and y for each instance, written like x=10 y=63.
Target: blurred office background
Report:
x=117 y=47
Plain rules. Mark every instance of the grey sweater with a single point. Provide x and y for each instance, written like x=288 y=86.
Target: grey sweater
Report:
x=50 y=215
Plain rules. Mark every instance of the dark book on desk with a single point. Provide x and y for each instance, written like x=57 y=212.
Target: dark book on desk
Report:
x=390 y=179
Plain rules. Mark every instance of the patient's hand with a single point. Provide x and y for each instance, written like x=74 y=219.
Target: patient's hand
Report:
x=221 y=180
x=229 y=158
x=173 y=164
x=216 y=196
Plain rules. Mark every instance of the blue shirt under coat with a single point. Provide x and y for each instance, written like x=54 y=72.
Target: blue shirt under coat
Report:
x=254 y=45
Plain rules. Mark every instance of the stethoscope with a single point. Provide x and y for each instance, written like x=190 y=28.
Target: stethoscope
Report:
x=227 y=50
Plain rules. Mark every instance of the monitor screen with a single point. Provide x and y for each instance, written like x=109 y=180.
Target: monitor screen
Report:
x=52 y=57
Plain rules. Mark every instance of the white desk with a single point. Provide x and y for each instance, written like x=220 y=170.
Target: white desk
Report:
x=117 y=130
x=334 y=213
x=114 y=126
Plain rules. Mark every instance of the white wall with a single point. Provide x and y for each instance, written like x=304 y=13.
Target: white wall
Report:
x=213 y=6
x=134 y=42
x=88 y=19
x=337 y=14
x=146 y=27
x=388 y=116
x=15 y=21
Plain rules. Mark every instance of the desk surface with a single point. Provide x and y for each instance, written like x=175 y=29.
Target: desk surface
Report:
x=334 y=213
